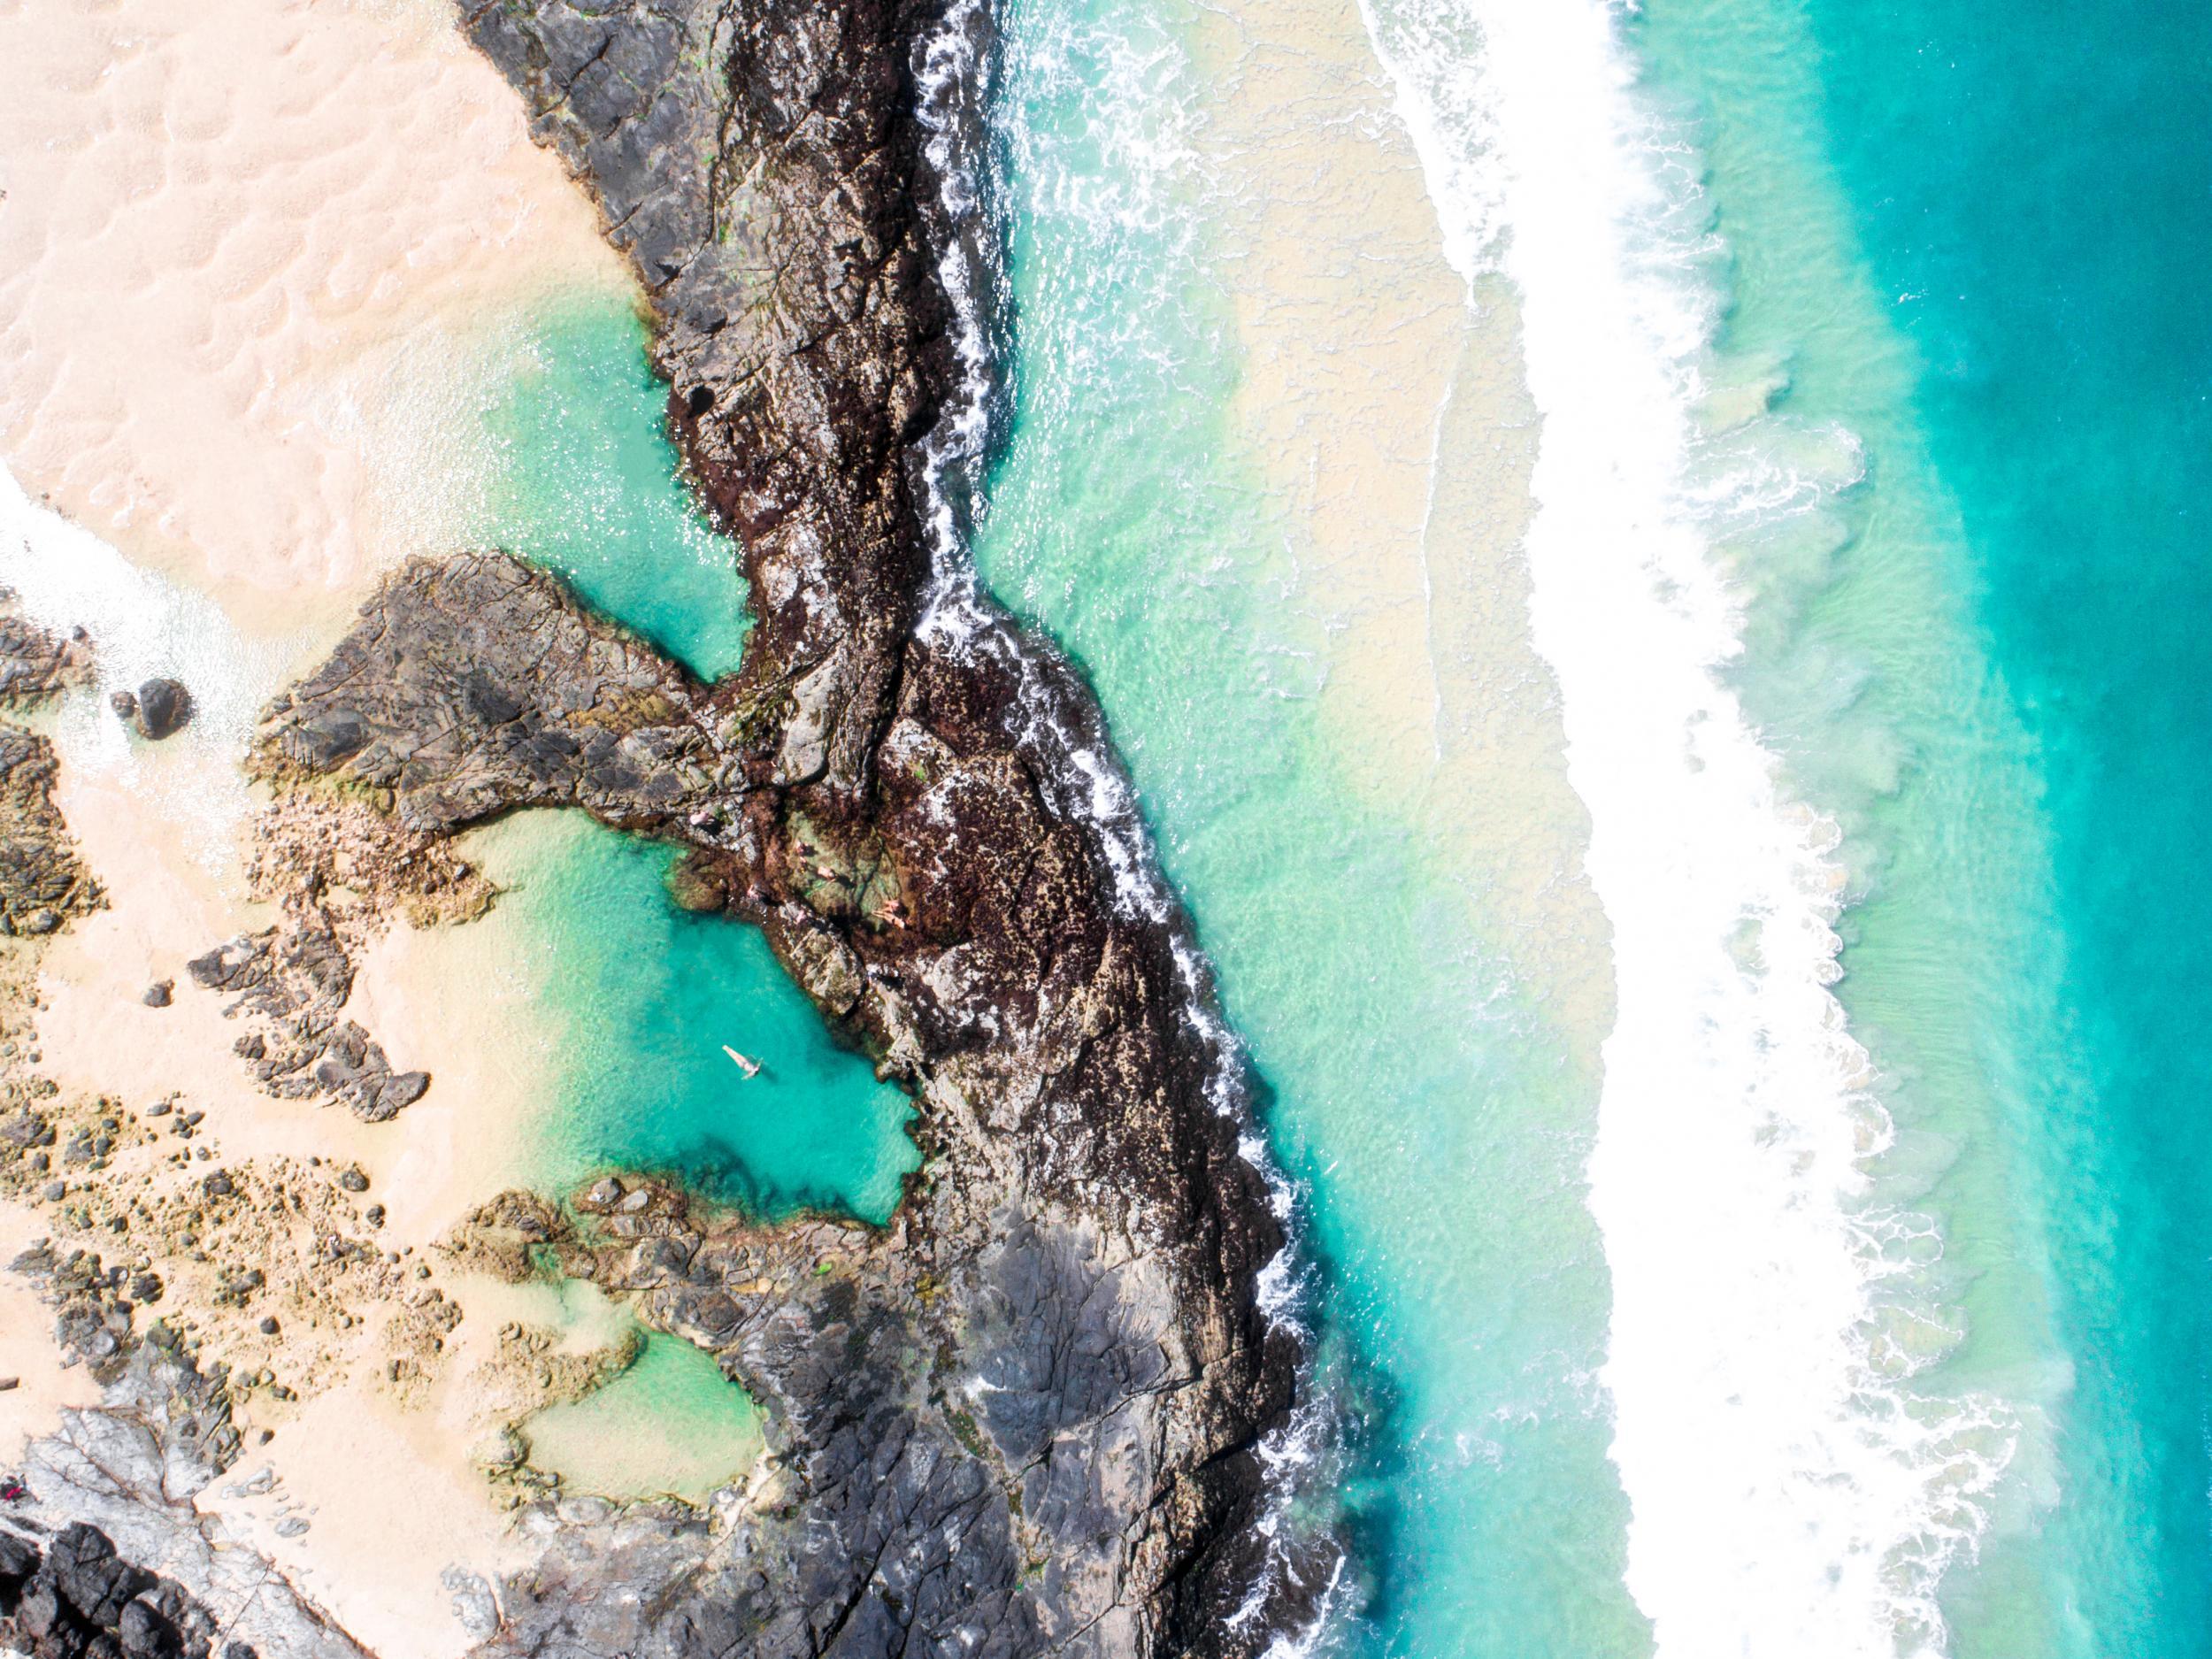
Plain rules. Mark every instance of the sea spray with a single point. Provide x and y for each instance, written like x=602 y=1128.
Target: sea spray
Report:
x=1796 y=1486
x=144 y=624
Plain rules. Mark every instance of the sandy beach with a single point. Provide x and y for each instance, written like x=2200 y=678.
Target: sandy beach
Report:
x=259 y=262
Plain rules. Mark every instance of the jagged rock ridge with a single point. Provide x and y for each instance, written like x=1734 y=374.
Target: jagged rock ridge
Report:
x=1024 y=1419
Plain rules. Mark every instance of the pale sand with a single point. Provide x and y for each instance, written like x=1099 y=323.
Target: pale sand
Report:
x=427 y=995
x=388 y=1489
x=262 y=264
x=44 y=1388
x=1389 y=419
x=240 y=243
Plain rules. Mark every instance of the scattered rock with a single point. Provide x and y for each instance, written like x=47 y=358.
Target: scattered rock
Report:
x=294 y=980
x=160 y=993
x=352 y=1179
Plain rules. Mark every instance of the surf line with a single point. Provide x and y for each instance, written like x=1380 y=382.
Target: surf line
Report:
x=1791 y=1489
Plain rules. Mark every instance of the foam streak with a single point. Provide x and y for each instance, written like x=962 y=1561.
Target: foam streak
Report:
x=1791 y=1491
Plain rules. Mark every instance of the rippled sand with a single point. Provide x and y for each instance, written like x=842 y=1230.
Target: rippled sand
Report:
x=259 y=260
x=237 y=241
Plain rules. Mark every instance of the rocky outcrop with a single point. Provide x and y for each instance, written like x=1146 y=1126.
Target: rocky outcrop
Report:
x=292 y=983
x=43 y=883
x=759 y=162
x=36 y=664
x=1025 y=1418
x=60 y=1602
x=102 y=1550
x=160 y=708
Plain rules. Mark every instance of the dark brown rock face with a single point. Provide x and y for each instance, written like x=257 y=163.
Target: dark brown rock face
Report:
x=42 y=882
x=161 y=707
x=1024 y=1419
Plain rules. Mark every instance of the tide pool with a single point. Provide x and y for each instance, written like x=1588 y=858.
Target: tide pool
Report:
x=632 y=1001
x=634 y=998
x=583 y=481
x=670 y=1424
x=1943 y=403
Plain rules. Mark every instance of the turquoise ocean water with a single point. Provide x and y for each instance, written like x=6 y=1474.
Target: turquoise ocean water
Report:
x=2032 y=199
x=1949 y=281
x=1942 y=385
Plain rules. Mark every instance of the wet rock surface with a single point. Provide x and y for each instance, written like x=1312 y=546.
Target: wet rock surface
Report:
x=1025 y=1419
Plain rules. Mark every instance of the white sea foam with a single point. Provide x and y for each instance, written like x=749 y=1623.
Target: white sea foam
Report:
x=1794 y=1490
x=143 y=625
x=1076 y=769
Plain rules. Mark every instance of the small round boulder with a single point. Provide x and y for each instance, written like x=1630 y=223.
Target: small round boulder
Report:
x=163 y=706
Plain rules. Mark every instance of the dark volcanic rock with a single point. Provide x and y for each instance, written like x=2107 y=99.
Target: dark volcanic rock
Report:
x=1024 y=1419
x=162 y=708
x=128 y=1470
x=35 y=664
x=42 y=883
x=292 y=982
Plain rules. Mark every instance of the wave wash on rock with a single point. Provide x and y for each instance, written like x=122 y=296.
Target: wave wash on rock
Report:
x=1029 y=1419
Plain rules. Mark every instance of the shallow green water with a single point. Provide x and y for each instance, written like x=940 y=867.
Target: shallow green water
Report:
x=583 y=481
x=1410 y=1077
x=670 y=1424
x=1967 y=656
x=639 y=997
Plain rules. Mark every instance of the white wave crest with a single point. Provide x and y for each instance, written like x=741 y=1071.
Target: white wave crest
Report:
x=1792 y=1490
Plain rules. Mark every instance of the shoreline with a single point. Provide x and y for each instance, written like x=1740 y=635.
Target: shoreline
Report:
x=1388 y=409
